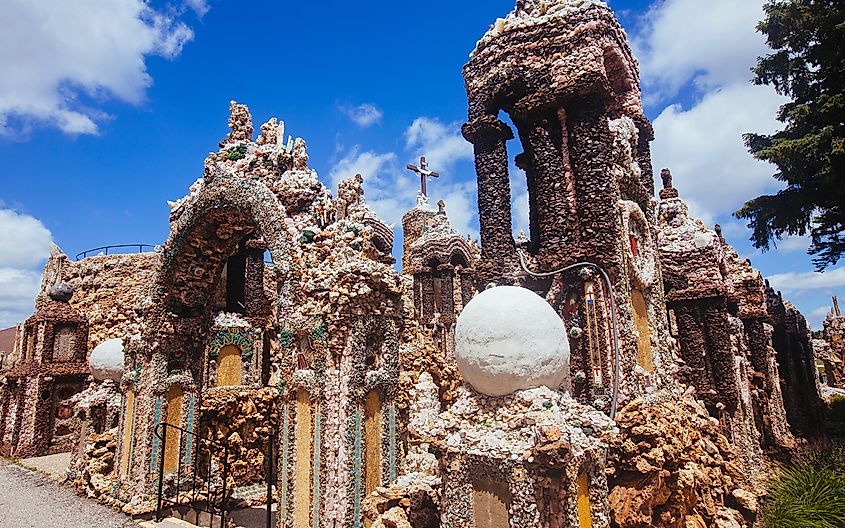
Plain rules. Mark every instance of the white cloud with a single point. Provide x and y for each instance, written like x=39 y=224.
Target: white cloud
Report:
x=809 y=280
x=703 y=146
x=441 y=144
x=24 y=245
x=711 y=44
x=794 y=244
x=369 y=164
x=200 y=7
x=53 y=52
x=363 y=115
x=817 y=316
x=709 y=63
x=24 y=241
x=391 y=190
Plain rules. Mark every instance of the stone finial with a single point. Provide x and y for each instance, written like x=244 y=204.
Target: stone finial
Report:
x=300 y=155
x=836 y=306
x=441 y=207
x=350 y=197
x=269 y=132
x=668 y=191
x=718 y=230
x=666 y=176
x=240 y=124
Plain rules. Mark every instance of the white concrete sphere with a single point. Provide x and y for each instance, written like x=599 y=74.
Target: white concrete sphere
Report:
x=508 y=339
x=106 y=360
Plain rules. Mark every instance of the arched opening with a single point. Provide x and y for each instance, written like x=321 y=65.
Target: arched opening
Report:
x=491 y=501
x=436 y=286
x=229 y=366
x=206 y=264
x=644 y=356
x=373 y=352
x=64 y=343
x=302 y=460
x=584 y=515
x=618 y=74
x=372 y=441
x=174 y=436
x=128 y=429
x=520 y=197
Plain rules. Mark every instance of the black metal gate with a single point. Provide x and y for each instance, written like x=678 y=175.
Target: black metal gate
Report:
x=200 y=480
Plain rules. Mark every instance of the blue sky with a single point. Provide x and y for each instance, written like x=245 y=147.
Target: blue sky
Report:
x=107 y=110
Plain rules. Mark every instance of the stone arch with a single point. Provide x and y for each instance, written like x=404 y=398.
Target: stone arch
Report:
x=460 y=257
x=618 y=73
x=208 y=230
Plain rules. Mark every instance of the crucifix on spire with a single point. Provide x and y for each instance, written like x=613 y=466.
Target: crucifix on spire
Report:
x=424 y=173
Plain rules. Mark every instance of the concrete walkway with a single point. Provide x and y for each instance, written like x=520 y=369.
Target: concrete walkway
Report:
x=54 y=465
x=30 y=500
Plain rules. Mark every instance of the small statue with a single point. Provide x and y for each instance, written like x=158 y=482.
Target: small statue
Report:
x=666 y=176
x=668 y=190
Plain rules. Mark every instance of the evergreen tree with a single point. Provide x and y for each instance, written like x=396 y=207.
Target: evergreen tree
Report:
x=807 y=65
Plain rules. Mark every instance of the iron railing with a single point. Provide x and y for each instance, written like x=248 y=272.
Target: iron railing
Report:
x=106 y=249
x=199 y=482
x=201 y=491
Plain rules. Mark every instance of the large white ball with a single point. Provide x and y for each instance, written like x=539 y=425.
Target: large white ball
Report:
x=107 y=360
x=508 y=339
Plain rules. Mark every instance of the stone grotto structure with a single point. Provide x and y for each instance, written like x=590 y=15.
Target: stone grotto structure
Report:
x=619 y=365
x=830 y=348
x=566 y=77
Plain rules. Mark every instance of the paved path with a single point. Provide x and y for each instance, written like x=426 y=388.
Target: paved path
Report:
x=30 y=500
x=54 y=465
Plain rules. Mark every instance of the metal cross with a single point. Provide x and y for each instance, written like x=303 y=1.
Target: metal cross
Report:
x=424 y=173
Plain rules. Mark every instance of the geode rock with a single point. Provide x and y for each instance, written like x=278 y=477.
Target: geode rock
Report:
x=60 y=292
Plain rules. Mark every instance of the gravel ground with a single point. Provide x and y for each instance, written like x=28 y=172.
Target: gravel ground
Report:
x=30 y=500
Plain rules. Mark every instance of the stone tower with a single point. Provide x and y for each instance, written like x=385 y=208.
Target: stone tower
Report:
x=565 y=75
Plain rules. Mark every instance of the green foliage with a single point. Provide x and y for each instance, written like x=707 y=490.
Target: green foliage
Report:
x=286 y=338
x=238 y=152
x=809 y=493
x=319 y=333
x=834 y=423
x=307 y=236
x=807 y=38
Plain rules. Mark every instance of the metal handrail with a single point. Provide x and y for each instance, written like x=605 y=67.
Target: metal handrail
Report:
x=140 y=247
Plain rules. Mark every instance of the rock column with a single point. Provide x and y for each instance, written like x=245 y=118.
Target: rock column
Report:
x=488 y=135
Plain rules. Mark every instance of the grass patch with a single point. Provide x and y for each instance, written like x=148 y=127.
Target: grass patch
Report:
x=809 y=493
